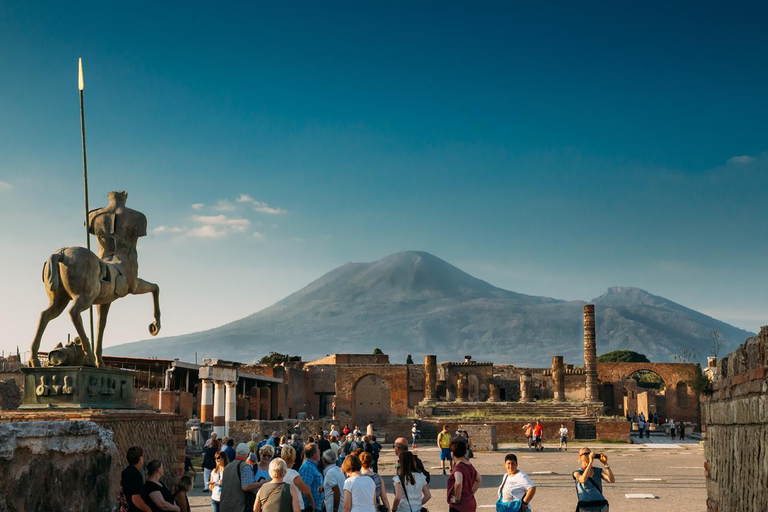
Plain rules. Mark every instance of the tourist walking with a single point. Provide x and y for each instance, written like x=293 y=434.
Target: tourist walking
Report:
x=359 y=490
x=132 y=482
x=375 y=452
x=411 y=487
x=333 y=483
x=214 y=482
x=415 y=435
x=463 y=434
x=229 y=448
x=538 y=433
x=277 y=495
x=640 y=427
x=444 y=445
x=238 y=484
x=463 y=482
x=311 y=475
x=369 y=429
x=528 y=434
x=647 y=429
x=563 y=438
x=158 y=496
x=180 y=491
x=382 y=502
x=672 y=428
x=681 y=428
x=516 y=485
x=306 y=501
x=211 y=449
x=589 y=481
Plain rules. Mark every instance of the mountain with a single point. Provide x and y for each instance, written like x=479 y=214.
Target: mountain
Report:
x=415 y=303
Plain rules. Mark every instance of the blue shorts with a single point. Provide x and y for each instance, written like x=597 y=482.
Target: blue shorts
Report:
x=445 y=454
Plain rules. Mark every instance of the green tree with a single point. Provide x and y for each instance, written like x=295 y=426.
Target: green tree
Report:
x=377 y=351
x=274 y=359
x=622 y=356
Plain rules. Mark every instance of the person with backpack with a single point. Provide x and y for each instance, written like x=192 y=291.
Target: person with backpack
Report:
x=238 y=484
x=464 y=480
x=589 y=481
x=411 y=487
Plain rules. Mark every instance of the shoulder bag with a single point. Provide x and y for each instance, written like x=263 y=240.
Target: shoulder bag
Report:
x=507 y=506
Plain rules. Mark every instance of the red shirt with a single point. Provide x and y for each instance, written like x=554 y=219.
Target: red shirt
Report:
x=537 y=430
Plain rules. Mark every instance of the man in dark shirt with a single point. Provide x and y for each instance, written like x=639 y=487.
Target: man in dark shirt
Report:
x=132 y=482
x=400 y=446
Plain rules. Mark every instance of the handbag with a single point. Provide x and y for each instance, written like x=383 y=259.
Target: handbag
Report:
x=508 y=506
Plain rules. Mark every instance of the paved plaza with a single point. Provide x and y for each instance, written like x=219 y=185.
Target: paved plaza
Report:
x=672 y=472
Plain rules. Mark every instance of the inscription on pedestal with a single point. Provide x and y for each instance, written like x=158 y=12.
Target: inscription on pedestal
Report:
x=78 y=387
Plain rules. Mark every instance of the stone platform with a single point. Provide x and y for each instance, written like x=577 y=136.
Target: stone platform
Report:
x=77 y=387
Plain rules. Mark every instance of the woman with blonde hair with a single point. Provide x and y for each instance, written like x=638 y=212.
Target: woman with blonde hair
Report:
x=382 y=502
x=292 y=477
x=261 y=470
x=277 y=495
x=214 y=482
x=180 y=490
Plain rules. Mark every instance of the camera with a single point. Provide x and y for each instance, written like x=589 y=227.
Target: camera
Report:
x=598 y=456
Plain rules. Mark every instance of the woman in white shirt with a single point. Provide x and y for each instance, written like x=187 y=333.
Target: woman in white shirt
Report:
x=214 y=482
x=516 y=485
x=359 y=490
x=411 y=489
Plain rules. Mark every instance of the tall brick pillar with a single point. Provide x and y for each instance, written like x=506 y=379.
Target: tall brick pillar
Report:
x=462 y=389
x=525 y=387
x=430 y=378
x=558 y=376
x=206 y=401
x=590 y=353
x=219 y=409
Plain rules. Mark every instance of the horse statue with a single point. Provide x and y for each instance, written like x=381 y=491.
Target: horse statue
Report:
x=76 y=274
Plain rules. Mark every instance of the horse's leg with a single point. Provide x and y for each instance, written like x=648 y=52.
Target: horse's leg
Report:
x=58 y=301
x=103 y=312
x=143 y=286
x=75 y=311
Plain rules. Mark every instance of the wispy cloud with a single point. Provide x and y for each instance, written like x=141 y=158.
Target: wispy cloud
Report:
x=260 y=206
x=198 y=206
x=234 y=224
x=742 y=159
x=168 y=229
x=258 y=236
x=4 y=185
x=207 y=231
x=224 y=206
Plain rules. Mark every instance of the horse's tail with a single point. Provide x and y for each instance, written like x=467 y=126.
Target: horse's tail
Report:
x=51 y=271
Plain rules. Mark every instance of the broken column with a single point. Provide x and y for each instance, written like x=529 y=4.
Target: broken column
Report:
x=493 y=393
x=430 y=378
x=590 y=354
x=462 y=389
x=525 y=387
x=558 y=376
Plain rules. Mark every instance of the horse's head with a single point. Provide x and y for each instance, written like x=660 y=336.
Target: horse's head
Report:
x=118 y=197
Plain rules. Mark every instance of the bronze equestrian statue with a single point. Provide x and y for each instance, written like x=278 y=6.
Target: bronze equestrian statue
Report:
x=78 y=275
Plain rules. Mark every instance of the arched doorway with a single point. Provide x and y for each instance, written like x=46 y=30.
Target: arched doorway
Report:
x=646 y=393
x=371 y=400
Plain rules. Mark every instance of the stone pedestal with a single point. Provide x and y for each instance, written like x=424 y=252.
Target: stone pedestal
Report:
x=77 y=387
x=525 y=387
x=558 y=376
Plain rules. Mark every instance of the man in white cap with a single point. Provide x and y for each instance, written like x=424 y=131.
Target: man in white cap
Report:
x=238 y=484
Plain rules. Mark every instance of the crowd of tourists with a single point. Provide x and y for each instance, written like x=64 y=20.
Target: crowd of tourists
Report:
x=644 y=424
x=336 y=471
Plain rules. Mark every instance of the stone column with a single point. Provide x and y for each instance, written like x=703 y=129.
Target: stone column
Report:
x=462 y=390
x=525 y=387
x=206 y=401
x=266 y=395
x=590 y=354
x=558 y=376
x=430 y=378
x=493 y=393
x=230 y=412
x=219 y=409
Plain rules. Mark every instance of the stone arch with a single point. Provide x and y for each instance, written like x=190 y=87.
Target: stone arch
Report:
x=371 y=399
x=349 y=376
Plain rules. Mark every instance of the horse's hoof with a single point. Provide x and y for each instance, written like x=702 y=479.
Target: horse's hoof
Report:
x=89 y=361
x=154 y=328
x=100 y=363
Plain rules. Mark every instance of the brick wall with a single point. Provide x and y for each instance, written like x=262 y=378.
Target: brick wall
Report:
x=613 y=430
x=736 y=421
x=482 y=437
x=162 y=436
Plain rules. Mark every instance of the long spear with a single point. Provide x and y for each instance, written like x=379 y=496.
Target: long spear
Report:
x=81 y=86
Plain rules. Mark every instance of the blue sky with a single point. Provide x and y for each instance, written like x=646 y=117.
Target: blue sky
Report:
x=549 y=148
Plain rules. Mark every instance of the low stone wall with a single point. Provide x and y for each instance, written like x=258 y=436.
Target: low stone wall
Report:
x=56 y=465
x=613 y=430
x=162 y=436
x=241 y=430
x=735 y=418
x=482 y=437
